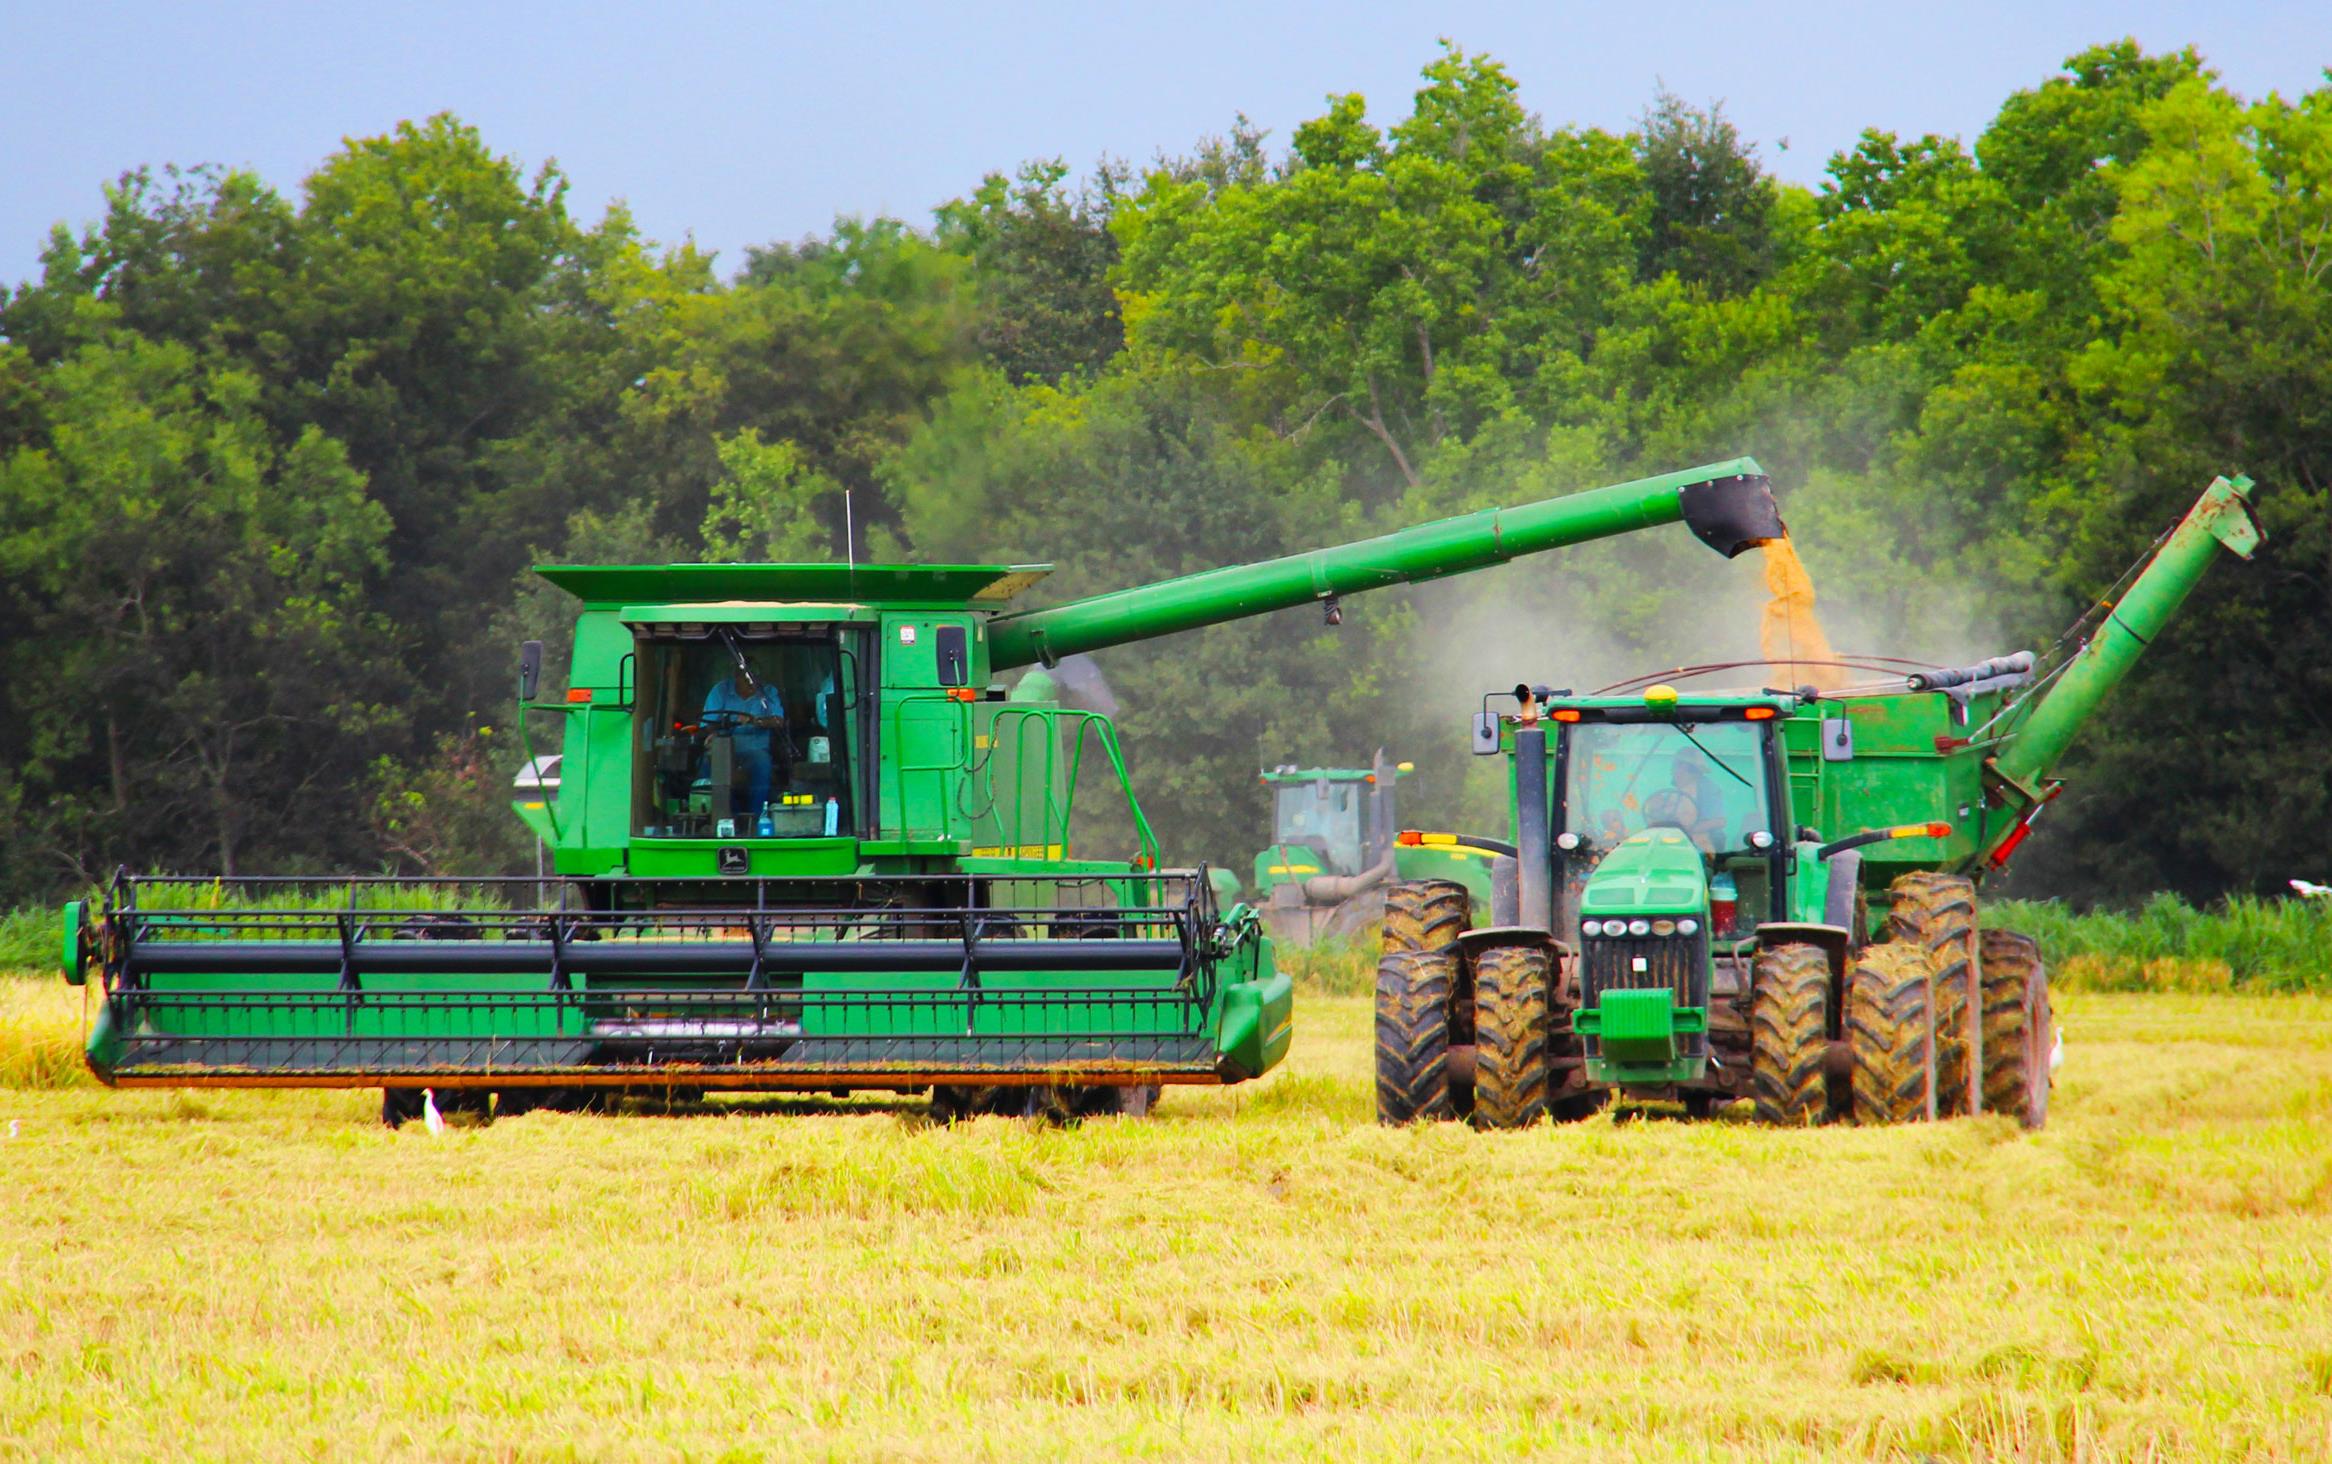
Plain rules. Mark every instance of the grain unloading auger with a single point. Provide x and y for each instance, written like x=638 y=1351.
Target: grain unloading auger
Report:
x=799 y=842
x=1767 y=895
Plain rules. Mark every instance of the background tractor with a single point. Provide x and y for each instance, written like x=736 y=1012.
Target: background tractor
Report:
x=1337 y=844
x=1767 y=895
x=799 y=838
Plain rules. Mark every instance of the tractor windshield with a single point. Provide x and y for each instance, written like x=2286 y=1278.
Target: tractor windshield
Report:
x=745 y=735
x=1323 y=816
x=1706 y=778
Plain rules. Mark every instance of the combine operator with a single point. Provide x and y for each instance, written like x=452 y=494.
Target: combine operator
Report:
x=751 y=712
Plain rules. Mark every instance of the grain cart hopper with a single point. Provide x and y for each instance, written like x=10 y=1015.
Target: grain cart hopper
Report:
x=1766 y=895
x=798 y=841
x=1337 y=843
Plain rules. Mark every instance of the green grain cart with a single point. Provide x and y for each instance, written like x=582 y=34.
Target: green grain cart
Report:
x=1337 y=845
x=799 y=840
x=1768 y=895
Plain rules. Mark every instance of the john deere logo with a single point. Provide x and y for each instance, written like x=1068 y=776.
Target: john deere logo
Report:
x=731 y=859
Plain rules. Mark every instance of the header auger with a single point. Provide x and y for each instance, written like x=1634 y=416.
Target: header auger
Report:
x=1769 y=894
x=799 y=840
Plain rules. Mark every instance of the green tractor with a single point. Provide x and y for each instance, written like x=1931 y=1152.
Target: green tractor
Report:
x=799 y=838
x=1337 y=844
x=1767 y=895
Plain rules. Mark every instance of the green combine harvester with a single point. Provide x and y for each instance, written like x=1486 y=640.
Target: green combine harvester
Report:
x=1766 y=895
x=1337 y=845
x=799 y=840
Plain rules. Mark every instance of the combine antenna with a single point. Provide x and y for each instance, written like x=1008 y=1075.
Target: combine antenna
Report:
x=849 y=534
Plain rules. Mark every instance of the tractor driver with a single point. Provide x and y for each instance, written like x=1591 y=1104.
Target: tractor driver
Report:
x=751 y=710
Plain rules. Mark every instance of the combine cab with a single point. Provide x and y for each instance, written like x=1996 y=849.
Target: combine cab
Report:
x=798 y=839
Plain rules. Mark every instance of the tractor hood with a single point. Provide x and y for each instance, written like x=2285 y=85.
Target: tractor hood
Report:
x=1651 y=872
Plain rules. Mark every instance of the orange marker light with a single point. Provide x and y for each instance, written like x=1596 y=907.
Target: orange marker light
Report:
x=962 y=694
x=578 y=693
x=1565 y=714
x=1758 y=714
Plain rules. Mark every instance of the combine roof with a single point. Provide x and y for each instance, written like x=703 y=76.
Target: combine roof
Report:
x=826 y=584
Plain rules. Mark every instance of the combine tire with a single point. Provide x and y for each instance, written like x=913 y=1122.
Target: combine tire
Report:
x=1043 y=1102
x=1891 y=1033
x=1510 y=1032
x=1426 y=916
x=2019 y=1028
x=400 y=1106
x=1937 y=912
x=1789 y=1016
x=1113 y=1102
x=1413 y=996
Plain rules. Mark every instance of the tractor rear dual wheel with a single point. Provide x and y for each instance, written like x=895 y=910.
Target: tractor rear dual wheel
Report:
x=2019 y=1028
x=1426 y=916
x=1890 y=1032
x=1937 y=913
x=1789 y=1016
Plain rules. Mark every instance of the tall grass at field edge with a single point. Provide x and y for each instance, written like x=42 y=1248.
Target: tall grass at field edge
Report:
x=2166 y=944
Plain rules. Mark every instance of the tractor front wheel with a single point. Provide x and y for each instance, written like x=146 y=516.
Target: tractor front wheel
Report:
x=1890 y=1030
x=1937 y=912
x=2019 y=1028
x=1412 y=1009
x=1789 y=1016
x=1510 y=1037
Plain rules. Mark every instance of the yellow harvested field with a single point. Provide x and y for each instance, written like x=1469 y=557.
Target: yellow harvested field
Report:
x=1253 y=1273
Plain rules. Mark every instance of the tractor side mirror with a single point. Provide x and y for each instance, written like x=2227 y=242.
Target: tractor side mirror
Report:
x=530 y=669
x=1485 y=734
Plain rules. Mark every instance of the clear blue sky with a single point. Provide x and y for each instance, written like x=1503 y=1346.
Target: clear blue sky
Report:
x=745 y=123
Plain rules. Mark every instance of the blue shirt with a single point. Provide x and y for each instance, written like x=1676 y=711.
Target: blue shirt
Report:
x=764 y=702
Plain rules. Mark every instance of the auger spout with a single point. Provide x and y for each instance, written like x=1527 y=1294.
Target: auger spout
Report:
x=2221 y=518
x=1728 y=505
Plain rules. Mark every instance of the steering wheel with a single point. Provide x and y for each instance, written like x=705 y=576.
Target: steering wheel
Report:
x=1670 y=806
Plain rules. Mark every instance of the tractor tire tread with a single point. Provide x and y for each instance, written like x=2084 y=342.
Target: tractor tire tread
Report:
x=2018 y=1027
x=1889 y=1030
x=1426 y=916
x=1412 y=1036
x=1937 y=911
x=1511 y=1037
x=1789 y=1024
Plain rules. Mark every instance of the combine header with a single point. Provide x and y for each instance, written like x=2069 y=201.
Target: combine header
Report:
x=1767 y=895
x=800 y=841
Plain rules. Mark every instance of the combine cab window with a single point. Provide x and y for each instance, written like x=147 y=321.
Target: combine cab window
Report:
x=1324 y=817
x=1706 y=778
x=746 y=735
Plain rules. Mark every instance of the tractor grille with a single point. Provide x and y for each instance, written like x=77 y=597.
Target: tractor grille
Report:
x=1678 y=964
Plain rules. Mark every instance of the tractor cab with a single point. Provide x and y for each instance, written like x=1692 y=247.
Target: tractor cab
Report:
x=1669 y=825
x=1331 y=821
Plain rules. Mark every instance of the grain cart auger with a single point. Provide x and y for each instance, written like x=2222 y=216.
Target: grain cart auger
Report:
x=1766 y=895
x=798 y=841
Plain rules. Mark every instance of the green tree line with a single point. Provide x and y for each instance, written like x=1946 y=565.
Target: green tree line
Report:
x=272 y=467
